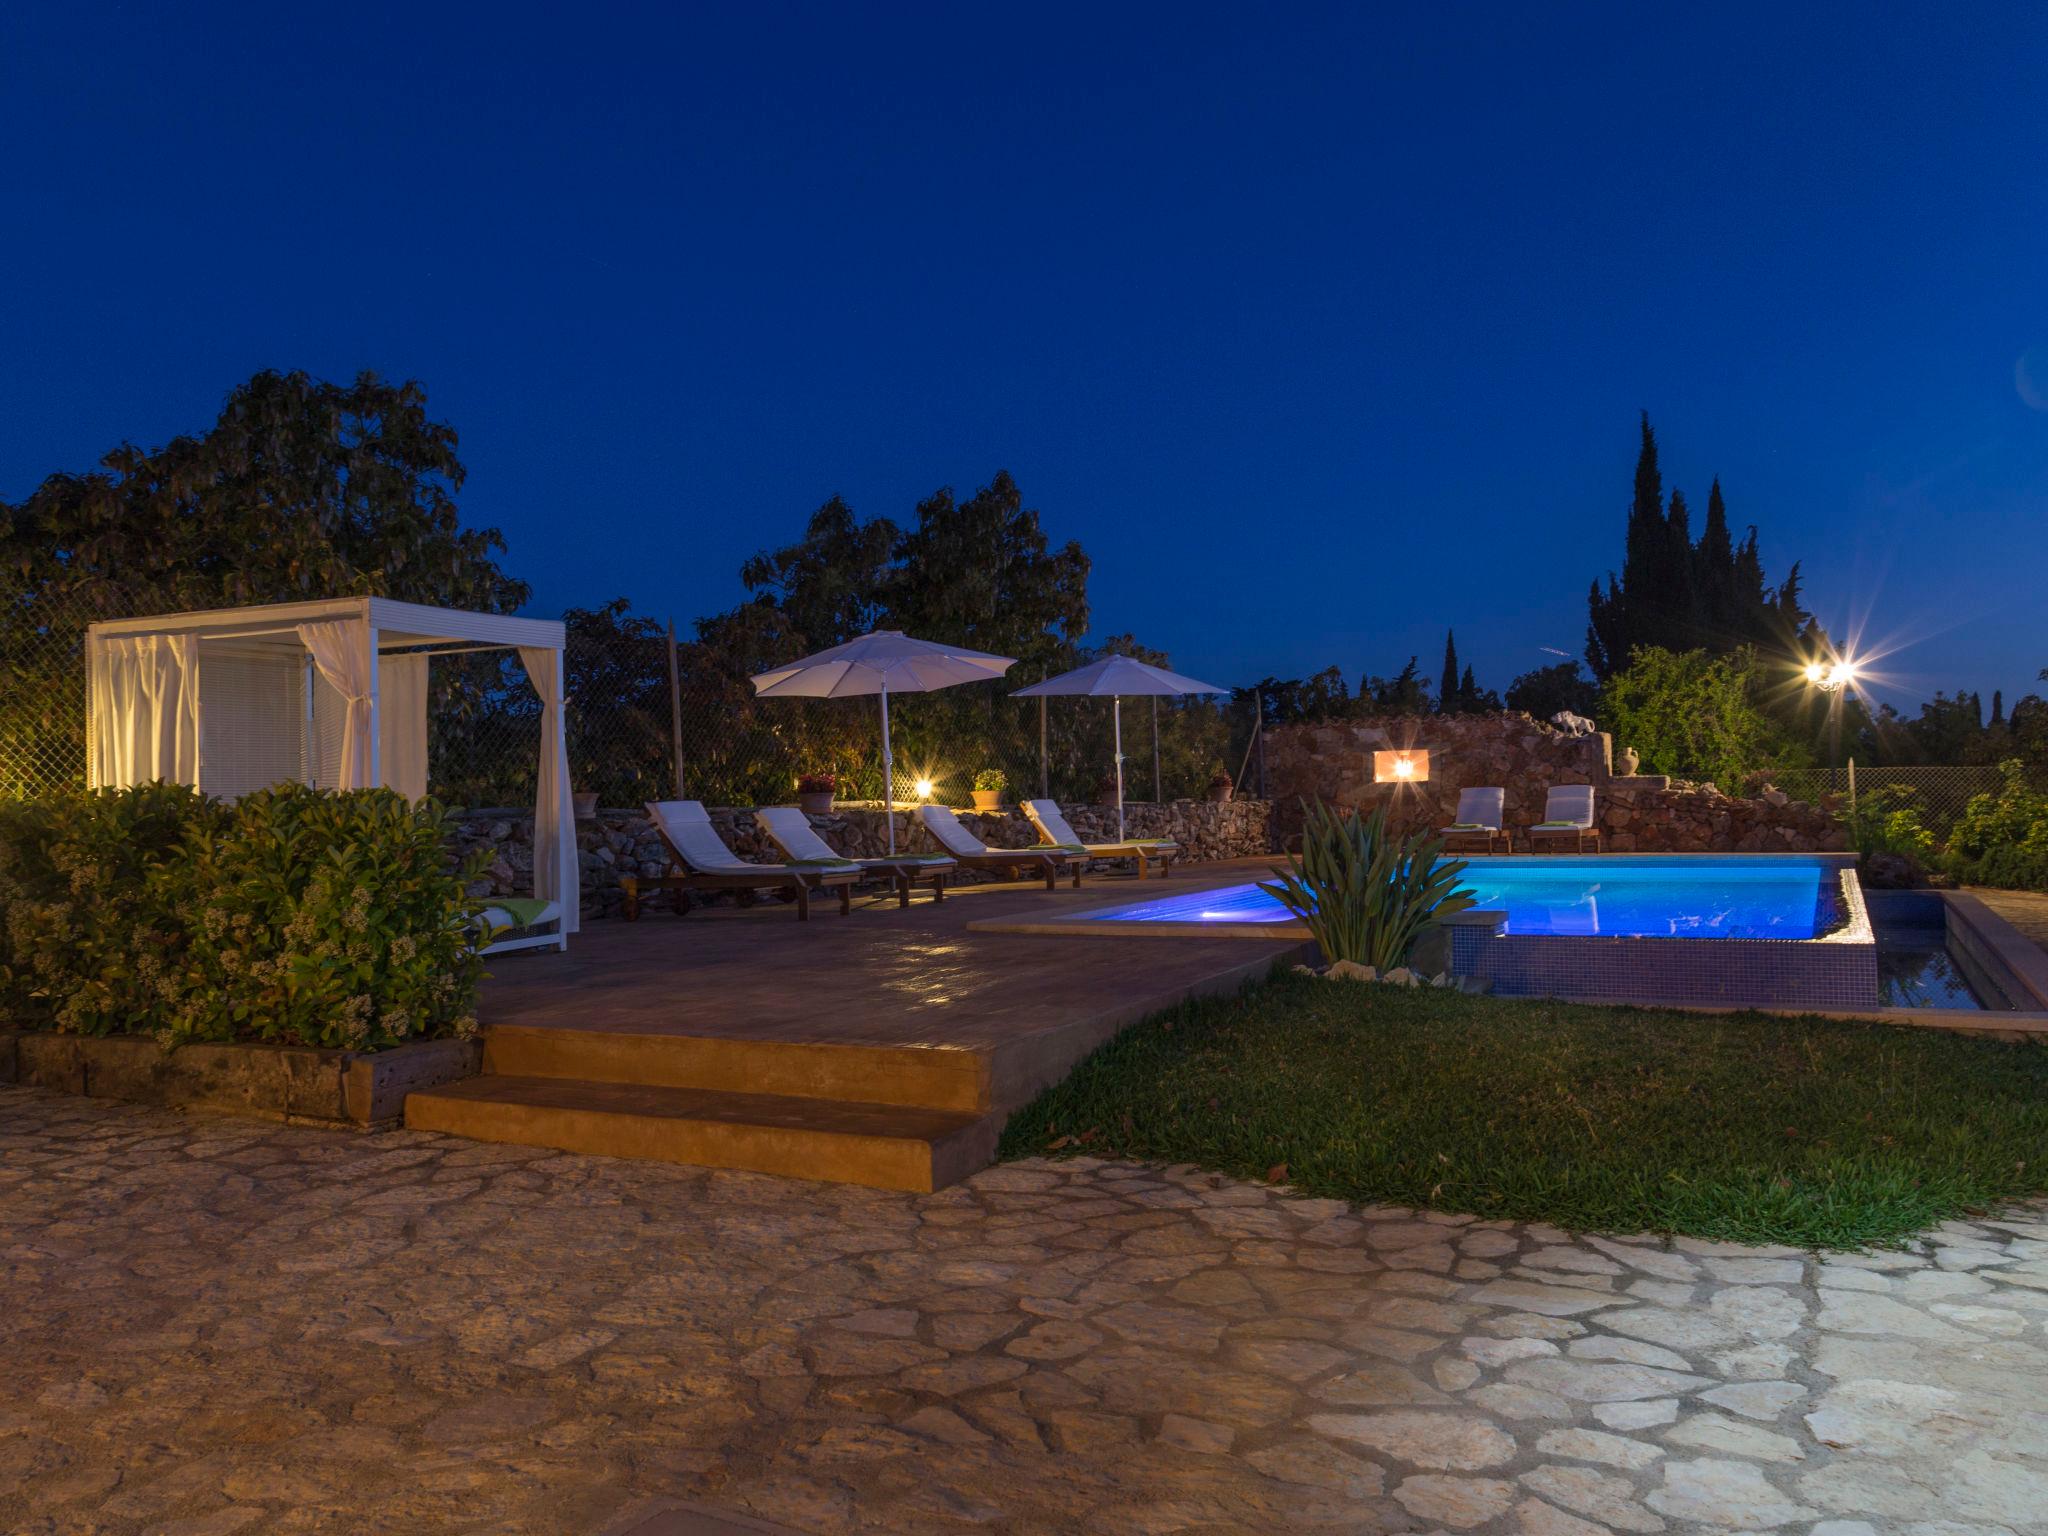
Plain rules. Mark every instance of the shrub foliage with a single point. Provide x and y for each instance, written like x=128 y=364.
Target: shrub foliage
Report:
x=2002 y=839
x=295 y=915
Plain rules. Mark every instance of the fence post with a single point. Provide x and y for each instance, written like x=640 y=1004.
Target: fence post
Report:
x=1158 y=795
x=675 y=707
x=1262 y=743
x=1852 y=786
x=1044 y=768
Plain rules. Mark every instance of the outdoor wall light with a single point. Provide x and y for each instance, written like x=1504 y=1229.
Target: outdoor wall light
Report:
x=922 y=789
x=1403 y=765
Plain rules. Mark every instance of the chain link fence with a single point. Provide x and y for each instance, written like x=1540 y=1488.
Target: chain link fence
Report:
x=42 y=693
x=1938 y=792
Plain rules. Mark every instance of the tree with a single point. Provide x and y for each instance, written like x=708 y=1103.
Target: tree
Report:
x=1403 y=694
x=1474 y=700
x=1552 y=690
x=1683 y=595
x=1447 y=698
x=981 y=572
x=832 y=583
x=301 y=489
x=1698 y=715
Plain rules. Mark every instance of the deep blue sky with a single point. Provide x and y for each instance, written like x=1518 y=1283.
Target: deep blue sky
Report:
x=1321 y=328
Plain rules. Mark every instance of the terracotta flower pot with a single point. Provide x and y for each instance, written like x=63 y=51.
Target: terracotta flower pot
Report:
x=1222 y=793
x=988 y=799
x=815 y=803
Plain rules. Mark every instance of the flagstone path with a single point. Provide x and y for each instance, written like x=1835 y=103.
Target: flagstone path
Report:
x=212 y=1326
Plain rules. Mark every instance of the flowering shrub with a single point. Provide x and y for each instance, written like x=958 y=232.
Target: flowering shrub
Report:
x=294 y=915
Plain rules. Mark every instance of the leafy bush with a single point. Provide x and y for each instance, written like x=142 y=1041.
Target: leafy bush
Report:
x=1365 y=892
x=1698 y=715
x=2002 y=839
x=1887 y=820
x=295 y=915
x=991 y=779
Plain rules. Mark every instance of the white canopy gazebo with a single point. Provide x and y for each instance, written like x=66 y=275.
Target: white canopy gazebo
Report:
x=330 y=693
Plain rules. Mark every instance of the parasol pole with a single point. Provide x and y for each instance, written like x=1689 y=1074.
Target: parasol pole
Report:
x=1117 y=711
x=888 y=771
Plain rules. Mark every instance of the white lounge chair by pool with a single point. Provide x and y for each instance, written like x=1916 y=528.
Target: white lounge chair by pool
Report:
x=973 y=853
x=790 y=829
x=1479 y=819
x=1567 y=812
x=1055 y=831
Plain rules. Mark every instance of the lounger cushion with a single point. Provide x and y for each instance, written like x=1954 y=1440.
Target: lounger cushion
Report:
x=520 y=912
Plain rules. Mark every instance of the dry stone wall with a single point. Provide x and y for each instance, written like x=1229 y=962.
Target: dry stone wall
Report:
x=1526 y=758
x=616 y=843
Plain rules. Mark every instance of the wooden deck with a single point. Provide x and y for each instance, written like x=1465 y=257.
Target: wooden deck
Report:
x=882 y=1047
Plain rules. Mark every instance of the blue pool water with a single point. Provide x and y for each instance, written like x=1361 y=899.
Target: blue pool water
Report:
x=1635 y=897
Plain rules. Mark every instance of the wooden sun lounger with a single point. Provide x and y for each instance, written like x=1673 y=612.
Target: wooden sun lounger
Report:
x=970 y=852
x=1568 y=811
x=704 y=872
x=1054 y=831
x=790 y=830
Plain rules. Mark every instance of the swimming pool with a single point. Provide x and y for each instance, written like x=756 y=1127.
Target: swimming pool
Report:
x=1675 y=897
x=1757 y=929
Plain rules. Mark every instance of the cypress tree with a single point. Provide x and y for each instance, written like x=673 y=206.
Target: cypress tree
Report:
x=1447 y=700
x=1714 y=576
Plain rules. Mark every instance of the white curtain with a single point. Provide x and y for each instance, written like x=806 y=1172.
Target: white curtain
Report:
x=144 y=693
x=341 y=652
x=402 y=724
x=556 y=871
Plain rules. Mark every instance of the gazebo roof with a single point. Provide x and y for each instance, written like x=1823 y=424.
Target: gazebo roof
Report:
x=399 y=625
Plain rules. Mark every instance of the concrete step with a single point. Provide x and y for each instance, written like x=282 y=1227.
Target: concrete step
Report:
x=884 y=1146
x=923 y=1077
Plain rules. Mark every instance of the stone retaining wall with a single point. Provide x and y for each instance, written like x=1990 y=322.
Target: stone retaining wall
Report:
x=1333 y=760
x=298 y=1084
x=619 y=843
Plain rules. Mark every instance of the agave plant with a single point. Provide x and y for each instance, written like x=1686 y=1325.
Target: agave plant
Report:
x=1366 y=892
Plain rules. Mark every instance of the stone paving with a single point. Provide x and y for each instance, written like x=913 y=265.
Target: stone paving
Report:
x=215 y=1326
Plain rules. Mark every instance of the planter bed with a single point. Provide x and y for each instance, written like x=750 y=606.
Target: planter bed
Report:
x=297 y=1084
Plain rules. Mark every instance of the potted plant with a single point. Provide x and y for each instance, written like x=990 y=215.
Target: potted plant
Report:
x=586 y=804
x=814 y=793
x=989 y=785
x=1221 y=787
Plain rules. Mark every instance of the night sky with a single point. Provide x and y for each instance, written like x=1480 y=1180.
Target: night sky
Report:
x=1322 y=329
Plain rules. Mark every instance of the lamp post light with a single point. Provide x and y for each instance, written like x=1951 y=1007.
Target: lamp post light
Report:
x=1831 y=676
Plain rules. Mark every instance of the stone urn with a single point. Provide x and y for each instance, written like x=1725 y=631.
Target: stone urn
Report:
x=1626 y=761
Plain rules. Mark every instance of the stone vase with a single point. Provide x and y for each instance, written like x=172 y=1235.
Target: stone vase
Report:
x=1626 y=761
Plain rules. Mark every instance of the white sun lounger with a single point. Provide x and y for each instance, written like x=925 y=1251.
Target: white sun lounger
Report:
x=1479 y=819
x=1055 y=831
x=1568 y=812
x=971 y=852
x=700 y=861
x=790 y=829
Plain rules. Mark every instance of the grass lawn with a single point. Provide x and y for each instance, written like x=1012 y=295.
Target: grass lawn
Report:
x=1744 y=1127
